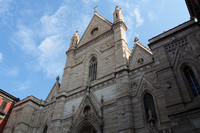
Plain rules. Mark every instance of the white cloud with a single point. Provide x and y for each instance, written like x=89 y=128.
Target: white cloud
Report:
x=12 y=72
x=1 y=57
x=4 y=6
x=24 y=86
x=24 y=38
x=9 y=72
x=50 y=59
x=89 y=1
x=139 y=20
x=151 y=16
x=54 y=32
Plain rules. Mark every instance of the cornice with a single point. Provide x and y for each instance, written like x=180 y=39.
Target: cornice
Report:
x=119 y=24
x=95 y=40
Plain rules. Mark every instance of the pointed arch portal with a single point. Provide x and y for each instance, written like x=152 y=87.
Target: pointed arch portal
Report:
x=87 y=129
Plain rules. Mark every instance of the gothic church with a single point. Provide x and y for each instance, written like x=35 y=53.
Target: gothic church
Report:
x=107 y=88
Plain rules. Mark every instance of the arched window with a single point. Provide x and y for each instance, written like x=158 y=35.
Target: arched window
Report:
x=192 y=80
x=150 y=111
x=93 y=69
x=45 y=129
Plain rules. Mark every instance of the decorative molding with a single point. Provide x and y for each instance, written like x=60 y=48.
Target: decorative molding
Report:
x=79 y=59
x=119 y=24
x=93 y=87
x=95 y=40
x=89 y=111
x=142 y=68
x=103 y=84
x=106 y=46
x=173 y=47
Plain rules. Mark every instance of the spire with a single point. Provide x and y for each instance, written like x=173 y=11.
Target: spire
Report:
x=118 y=15
x=57 y=78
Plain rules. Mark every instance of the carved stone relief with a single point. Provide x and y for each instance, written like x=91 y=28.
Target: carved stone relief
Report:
x=89 y=111
x=172 y=48
x=106 y=46
x=79 y=59
x=33 y=116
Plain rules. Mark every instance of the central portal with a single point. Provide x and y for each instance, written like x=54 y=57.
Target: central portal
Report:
x=87 y=129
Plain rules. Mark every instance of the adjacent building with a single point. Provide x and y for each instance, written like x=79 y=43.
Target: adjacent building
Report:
x=6 y=104
x=108 y=88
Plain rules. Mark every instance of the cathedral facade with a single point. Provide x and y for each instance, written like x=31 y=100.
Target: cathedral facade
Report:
x=106 y=88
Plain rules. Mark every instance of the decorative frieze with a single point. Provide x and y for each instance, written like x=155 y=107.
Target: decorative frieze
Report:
x=106 y=46
x=79 y=60
x=140 y=69
x=95 y=40
x=172 y=47
x=103 y=84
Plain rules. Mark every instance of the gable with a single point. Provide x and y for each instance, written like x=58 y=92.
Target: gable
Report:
x=53 y=93
x=96 y=27
x=140 y=56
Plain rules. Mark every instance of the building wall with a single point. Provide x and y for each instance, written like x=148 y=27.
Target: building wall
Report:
x=7 y=102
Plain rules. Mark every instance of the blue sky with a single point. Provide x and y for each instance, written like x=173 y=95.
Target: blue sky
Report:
x=35 y=34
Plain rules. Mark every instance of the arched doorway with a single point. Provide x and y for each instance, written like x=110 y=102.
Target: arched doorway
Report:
x=87 y=129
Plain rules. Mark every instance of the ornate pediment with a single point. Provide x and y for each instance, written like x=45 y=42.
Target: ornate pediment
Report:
x=89 y=111
x=97 y=26
x=140 y=56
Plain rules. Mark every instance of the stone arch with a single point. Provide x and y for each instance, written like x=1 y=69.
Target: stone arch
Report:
x=184 y=78
x=92 y=124
x=91 y=54
x=185 y=90
x=93 y=69
x=146 y=91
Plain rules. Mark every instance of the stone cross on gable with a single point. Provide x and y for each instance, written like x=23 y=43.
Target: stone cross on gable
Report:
x=95 y=8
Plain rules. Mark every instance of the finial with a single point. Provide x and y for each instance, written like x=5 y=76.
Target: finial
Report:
x=57 y=78
x=95 y=9
x=136 y=39
x=117 y=7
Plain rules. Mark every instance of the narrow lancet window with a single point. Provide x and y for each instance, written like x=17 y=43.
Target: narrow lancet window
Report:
x=150 y=111
x=192 y=80
x=93 y=69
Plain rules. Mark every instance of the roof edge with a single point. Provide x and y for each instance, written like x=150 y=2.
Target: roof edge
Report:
x=171 y=31
x=9 y=95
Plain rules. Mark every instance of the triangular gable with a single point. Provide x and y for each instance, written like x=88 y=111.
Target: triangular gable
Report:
x=53 y=93
x=140 y=56
x=96 y=27
x=93 y=113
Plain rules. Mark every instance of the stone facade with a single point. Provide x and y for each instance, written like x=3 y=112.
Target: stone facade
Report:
x=139 y=91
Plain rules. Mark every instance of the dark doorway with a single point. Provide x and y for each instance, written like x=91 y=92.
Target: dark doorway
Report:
x=88 y=129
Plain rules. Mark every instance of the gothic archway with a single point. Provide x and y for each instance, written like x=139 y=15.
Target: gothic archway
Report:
x=87 y=129
x=87 y=126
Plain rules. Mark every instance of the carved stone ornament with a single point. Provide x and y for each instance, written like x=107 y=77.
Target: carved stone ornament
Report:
x=173 y=47
x=79 y=60
x=89 y=112
x=106 y=46
x=140 y=61
x=94 y=31
x=168 y=85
